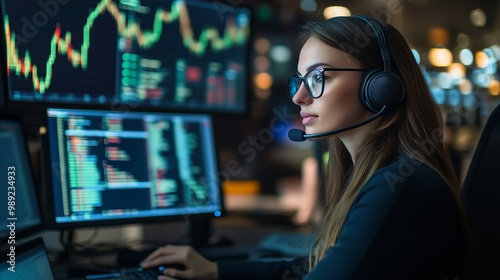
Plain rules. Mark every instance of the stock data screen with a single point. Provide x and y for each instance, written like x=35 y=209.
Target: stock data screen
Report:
x=148 y=53
x=109 y=166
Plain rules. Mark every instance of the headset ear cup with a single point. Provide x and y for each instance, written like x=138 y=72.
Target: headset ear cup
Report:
x=379 y=89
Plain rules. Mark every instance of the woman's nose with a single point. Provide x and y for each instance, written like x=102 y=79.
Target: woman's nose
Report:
x=302 y=97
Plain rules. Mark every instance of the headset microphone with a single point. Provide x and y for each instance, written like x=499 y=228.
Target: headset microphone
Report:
x=298 y=135
x=381 y=89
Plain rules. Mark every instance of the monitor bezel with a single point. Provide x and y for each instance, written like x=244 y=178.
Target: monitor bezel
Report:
x=49 y=206
x=36 y=183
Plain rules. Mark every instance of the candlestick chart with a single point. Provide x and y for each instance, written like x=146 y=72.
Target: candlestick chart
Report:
x=156 y=53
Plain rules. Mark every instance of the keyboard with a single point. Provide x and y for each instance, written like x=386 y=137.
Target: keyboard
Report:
x=289 y=244
x=129 y=274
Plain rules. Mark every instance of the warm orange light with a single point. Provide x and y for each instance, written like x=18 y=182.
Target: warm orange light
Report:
x=440 y=57
x=241 y=187
x=494 y=88
x=42 y=130
x=336 y=11
x=482 y=59
x=456 y=70
x=263 y=80
x=438 y=36
x=465 y=86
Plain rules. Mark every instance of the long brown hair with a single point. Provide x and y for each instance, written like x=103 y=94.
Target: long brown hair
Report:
x=414 y=128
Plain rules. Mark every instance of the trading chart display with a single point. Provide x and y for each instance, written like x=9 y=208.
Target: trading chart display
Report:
x=141 y=53
x=118 y=166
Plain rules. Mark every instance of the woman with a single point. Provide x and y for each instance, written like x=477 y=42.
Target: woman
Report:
x=394 y=209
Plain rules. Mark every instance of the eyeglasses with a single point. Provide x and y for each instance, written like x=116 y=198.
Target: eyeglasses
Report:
x=314 y=81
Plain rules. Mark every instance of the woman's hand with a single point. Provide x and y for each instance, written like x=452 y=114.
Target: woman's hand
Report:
x=196 y=267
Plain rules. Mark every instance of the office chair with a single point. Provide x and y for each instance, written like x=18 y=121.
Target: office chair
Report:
x=481 y=191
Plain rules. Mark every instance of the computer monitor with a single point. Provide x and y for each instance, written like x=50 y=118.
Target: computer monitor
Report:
x=151 y=54
x=3 y=80
x=2 y=95
x=29 y=260
x=109 y=167
x=19 y=197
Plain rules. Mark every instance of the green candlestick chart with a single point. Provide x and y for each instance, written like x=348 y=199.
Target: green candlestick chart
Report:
x=61 y=45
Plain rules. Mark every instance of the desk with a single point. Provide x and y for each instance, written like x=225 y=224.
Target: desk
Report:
x=242 y=231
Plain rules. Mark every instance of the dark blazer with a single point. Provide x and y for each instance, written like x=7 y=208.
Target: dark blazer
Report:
x=404 y=224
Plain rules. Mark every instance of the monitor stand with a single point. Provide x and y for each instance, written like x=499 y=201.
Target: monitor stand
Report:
x=199 y=233
x=66 y=238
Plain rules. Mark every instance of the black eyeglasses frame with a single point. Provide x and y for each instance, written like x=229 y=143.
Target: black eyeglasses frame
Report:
x=301 y=80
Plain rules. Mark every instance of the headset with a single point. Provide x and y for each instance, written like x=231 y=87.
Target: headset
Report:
x=380 y=86
x=381 y=89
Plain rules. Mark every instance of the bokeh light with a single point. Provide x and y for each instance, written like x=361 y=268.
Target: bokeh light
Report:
x=440 y=57
x=480 y=78
x=416 y=55
x=336 y=11
x=263 y=80
x=280 y=53
x=456 y=71
x=465 y=87
x=482 y=59
x=466 y=57
x=478 y=17
x=262 y=45
x=438 y=36
x=494 y=88
x=443 y=80
x=261 y=63
x=463 y=40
